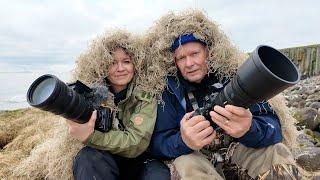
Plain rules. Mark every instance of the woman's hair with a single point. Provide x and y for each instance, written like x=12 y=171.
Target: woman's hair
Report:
x=93 y=64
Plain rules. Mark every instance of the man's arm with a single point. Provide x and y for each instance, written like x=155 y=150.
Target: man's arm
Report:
x=256 y=128
x=166 y=140
x=265 y=129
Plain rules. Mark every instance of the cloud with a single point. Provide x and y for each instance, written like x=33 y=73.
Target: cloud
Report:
x=57 y=31
x=279 y=23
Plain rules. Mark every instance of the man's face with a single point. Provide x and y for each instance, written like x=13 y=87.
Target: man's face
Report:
x=191 y=59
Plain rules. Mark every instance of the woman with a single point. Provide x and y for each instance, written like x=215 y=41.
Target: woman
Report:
x=118 y=153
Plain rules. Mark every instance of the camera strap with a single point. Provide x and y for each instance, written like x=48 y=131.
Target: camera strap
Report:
x=193 y=101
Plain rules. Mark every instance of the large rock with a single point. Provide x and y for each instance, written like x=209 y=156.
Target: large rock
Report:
x=309 y=158
x=309 y=91
x=316 y=136
x=301 y=104
x=305 y=140
x=313 y=97
x=308 y=117
x=315 y=105
x=301 y=90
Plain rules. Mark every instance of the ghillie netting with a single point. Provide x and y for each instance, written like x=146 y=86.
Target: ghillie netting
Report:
x=37 y=145
x=92 y=65
x=224 y=58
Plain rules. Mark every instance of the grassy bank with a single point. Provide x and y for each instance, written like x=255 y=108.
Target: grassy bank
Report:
x=34 y=144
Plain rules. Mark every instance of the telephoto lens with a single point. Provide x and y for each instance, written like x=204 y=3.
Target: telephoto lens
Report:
x=263 y=75
x=51 y=94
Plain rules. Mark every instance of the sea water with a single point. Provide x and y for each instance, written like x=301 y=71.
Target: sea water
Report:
x=15 y=80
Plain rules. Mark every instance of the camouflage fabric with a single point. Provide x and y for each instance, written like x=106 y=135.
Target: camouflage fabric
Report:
x=266 y=163
x=195 y=166
x=273 y=162
x=216 y=151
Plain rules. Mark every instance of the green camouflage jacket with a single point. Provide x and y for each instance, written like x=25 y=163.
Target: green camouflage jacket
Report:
x=138 y=114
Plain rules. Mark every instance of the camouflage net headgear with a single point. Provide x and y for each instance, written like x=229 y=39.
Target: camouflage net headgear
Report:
x=223 y=56
x=92 y=65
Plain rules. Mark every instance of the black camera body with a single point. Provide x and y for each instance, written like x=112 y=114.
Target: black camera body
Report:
x=74 y=101
x=104 y=112
x=210 y=101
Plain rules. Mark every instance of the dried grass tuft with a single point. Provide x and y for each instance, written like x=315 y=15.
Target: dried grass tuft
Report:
x=223 y=56
x=93 y=64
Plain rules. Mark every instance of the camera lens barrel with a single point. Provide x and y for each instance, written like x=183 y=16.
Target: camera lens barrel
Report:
x=51 y=94
x=264 y=74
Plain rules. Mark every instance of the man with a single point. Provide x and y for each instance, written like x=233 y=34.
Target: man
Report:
x=250 y=137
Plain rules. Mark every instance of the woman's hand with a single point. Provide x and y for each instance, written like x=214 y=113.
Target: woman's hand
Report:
x=81 y=132
x=236 y=121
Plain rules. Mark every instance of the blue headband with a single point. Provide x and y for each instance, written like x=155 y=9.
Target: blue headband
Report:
x=184 y=39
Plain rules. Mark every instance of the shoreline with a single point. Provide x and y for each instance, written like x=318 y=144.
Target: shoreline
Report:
x=14 y=110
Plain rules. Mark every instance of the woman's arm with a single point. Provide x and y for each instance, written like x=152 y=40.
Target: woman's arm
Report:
x=136 y=138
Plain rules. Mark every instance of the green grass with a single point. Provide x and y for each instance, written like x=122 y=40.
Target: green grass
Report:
x=12 y=114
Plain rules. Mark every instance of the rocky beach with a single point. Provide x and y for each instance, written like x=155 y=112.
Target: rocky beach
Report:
x=303 y=100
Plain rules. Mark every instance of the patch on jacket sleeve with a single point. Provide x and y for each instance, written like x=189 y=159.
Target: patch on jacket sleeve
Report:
x=144 y=96
x=138 y=120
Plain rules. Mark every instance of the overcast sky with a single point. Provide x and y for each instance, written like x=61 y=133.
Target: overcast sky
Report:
x=56 y=31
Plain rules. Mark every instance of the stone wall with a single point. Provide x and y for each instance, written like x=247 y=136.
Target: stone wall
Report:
x=307 y=58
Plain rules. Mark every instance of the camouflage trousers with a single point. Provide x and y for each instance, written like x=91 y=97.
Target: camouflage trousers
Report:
x=273 y=162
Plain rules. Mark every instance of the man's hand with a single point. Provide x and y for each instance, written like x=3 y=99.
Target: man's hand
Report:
x=196 y=132
x=81 y=132
x=236 y=121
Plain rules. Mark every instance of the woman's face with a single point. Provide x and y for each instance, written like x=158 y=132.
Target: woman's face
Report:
x=121 y=72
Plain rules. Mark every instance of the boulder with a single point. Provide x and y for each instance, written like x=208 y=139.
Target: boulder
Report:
x=305 y=140
x=315 y=105
x=309 y=158
x=308 y=117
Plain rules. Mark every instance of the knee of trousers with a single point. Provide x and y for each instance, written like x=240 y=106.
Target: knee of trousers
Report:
x=156 y=164
x=260 y=160
x=155 y=169
x=281 y=150
x=195 y=166
x=191 y=162
x=88 y=156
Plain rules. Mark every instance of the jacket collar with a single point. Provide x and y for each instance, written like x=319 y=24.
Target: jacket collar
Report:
x=208 y=80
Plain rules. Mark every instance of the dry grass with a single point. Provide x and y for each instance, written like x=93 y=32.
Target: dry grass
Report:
x=223 y=56
x=36 y=145
x=93 y=64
